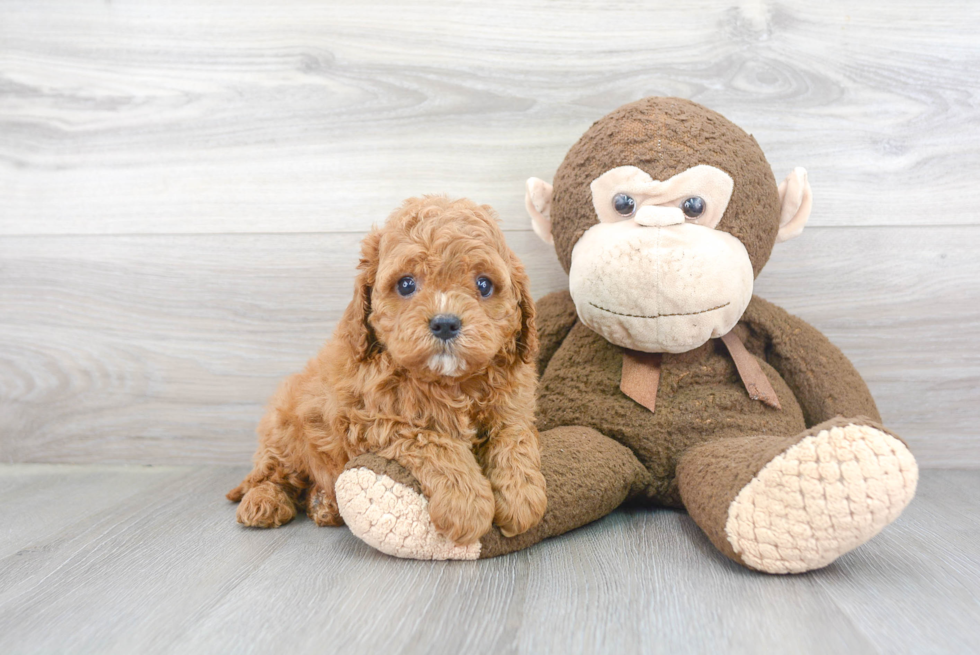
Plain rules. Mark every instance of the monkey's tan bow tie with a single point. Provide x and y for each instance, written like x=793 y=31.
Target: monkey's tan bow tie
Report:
x=641 y=374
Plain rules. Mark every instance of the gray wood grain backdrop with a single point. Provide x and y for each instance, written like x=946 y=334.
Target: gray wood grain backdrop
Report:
x=183 y=186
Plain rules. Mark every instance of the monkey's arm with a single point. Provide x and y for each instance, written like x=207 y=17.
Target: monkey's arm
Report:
x=555 y=317
x=824 y=381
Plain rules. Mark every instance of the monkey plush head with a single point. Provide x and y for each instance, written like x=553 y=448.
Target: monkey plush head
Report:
x=662 y=215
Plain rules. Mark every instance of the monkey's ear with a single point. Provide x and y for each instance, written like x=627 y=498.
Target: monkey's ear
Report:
x=538 y=203
x=795 y=200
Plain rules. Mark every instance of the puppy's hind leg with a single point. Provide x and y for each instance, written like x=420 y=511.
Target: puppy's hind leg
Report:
x=321 y=502
x=322 y=507
x=268 y=494
x=266 y=505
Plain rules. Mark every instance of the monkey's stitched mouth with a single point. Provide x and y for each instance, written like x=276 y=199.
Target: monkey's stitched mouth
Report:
x=703 y=311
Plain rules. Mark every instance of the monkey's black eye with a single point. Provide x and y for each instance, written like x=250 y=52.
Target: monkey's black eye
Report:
x=693 y=207
x=405 y=286
x=625 y=206
x=484 y=286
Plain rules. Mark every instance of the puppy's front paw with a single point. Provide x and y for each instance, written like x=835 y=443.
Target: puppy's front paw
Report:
x=520 y=503
x=463 y=511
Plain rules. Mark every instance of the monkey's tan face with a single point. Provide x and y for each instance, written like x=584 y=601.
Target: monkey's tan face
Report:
x=654 y=275
x=672 y=260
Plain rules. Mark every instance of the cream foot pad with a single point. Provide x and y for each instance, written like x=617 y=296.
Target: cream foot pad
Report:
x=822 y=497
x=393 y=517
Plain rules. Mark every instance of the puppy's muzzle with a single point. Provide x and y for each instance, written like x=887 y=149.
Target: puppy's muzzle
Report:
x=445 y=326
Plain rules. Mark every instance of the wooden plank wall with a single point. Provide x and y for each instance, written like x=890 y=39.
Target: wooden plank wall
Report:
x=183 y=186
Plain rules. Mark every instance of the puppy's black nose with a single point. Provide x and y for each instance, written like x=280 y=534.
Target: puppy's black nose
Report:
x=445 y=326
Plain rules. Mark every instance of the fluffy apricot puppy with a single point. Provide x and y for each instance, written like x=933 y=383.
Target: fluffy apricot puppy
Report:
x=432 y=366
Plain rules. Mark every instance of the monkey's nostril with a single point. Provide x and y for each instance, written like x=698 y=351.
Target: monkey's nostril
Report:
x=445 y=326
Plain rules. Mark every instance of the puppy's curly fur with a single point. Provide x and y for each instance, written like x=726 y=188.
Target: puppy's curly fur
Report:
x=458 y=414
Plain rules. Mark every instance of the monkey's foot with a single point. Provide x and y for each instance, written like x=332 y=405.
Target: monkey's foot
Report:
x=587 y=474
x=826 y=495
x=383 y=506
x=789 y=505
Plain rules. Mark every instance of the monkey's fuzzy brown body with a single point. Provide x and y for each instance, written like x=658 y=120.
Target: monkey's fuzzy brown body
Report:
x=779 y=489
x=701 y=398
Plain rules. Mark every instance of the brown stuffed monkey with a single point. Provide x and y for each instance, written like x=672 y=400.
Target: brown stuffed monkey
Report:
x=664 y=381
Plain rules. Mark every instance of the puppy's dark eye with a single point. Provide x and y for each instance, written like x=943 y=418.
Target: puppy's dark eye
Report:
x=484 y=286
x=693 y=207
x=405 y=286
x=624 y=205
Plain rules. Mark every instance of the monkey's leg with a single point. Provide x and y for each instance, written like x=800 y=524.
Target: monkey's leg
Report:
x=587 y=475
x=794 y=504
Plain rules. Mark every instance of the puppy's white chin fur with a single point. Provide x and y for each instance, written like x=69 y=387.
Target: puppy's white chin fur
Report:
x=446 y=364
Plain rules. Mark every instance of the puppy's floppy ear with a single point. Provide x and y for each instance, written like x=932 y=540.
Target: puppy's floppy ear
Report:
x=527 y=338
x=354 y=327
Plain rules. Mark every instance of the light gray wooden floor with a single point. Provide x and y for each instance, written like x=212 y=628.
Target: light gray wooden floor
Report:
x=98 y=559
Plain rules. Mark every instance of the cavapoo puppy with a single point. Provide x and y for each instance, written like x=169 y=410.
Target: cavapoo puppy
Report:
x=432 y=365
